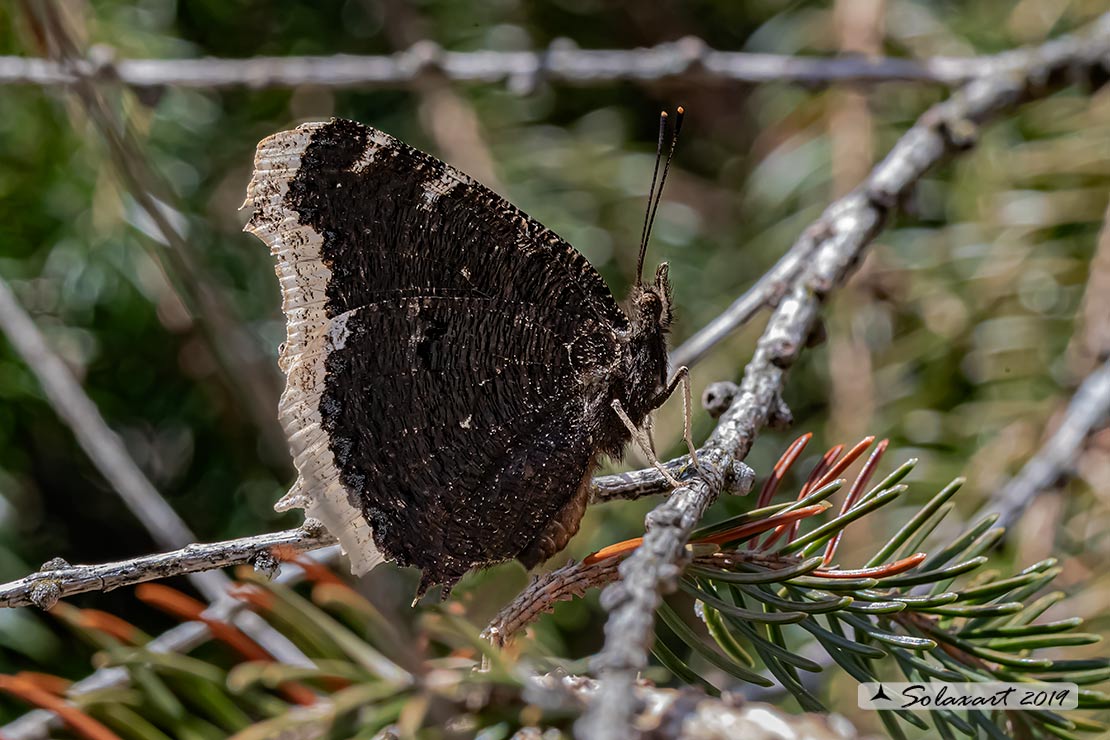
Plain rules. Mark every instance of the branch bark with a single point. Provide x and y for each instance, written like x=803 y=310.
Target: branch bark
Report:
x=843 y=233
x=688 y=58
x=39 y=724
x=1088 y=410
x=109 y=454
x=59 y=579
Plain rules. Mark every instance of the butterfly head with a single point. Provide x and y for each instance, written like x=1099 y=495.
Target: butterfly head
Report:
x=651 y=303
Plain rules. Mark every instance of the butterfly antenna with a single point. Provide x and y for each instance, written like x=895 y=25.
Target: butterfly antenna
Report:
x=653 y=207
x=651 y=198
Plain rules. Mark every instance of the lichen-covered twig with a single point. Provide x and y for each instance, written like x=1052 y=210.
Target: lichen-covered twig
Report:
x=544 y=592
x=842 y=234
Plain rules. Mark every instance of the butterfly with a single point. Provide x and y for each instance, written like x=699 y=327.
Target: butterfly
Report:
x=454 y=369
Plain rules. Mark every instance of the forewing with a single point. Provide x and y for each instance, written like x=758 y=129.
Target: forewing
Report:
x=440 y=349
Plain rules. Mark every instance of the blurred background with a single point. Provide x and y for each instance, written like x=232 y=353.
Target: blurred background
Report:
x=960 y=339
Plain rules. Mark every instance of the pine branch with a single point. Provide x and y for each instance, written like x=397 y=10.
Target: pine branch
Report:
x=842 y=234
x=562 y=62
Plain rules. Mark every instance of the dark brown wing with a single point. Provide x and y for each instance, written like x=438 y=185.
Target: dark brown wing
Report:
x=444 y=352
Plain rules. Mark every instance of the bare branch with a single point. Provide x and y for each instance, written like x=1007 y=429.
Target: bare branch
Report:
x=1087 y=411
x=53 y=582
x=843 y=233
x=766 y=292
x=245 y=367
x=572 y=581
x=689 y=58
x=38 y=724
x=543 y=593
x=100 y=443
x=59 y=579
x=110 y=456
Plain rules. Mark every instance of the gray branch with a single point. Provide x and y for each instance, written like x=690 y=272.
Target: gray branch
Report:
x=100 y=443
x=842 y=234
x=689 y=59
x=58 y=579
x=39 y=724
x=109 y=454
x=544 y=592
x=1087 y=411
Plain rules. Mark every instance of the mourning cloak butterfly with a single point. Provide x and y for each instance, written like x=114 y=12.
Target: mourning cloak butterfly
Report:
x=452 y=365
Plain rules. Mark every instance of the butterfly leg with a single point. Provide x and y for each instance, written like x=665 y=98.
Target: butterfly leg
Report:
x=643 y=442
x=682 y=375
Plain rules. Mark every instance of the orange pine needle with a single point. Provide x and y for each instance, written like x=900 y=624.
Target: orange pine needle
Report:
x=879 y=571
x=771 y=485
x=317 y=573
x=612 y=551
x=174 y=602
x=855 y=492
x=183 y=607
x=49 y=683
x=843 y=463
x=109 y=624
x=818 y=471
x=78 y=721
x=253 y=595
x=751 y=529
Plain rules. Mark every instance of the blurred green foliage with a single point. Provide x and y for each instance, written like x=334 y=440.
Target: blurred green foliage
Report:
x=958 y=339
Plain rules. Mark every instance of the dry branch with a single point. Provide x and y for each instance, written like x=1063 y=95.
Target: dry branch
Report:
x=109 y=454
x=38 y=724
x=1088 y=409
x=842 y=233
x=689 y=59
x=59 y=579
x=571 y=581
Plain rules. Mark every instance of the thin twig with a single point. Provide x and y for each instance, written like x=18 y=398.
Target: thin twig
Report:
x=58 y=579
x=245 y=368
x=636 y=484
x=688 y=58
x=543 y=593
x=575 y=578
x=845 y=230
x=38 y=724
x=109 y=454
x=1088 y=410
x=100 y=443
x=58 y=582
x=766 y=292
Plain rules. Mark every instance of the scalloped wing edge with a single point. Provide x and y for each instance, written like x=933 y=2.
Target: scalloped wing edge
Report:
x=310 y=336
